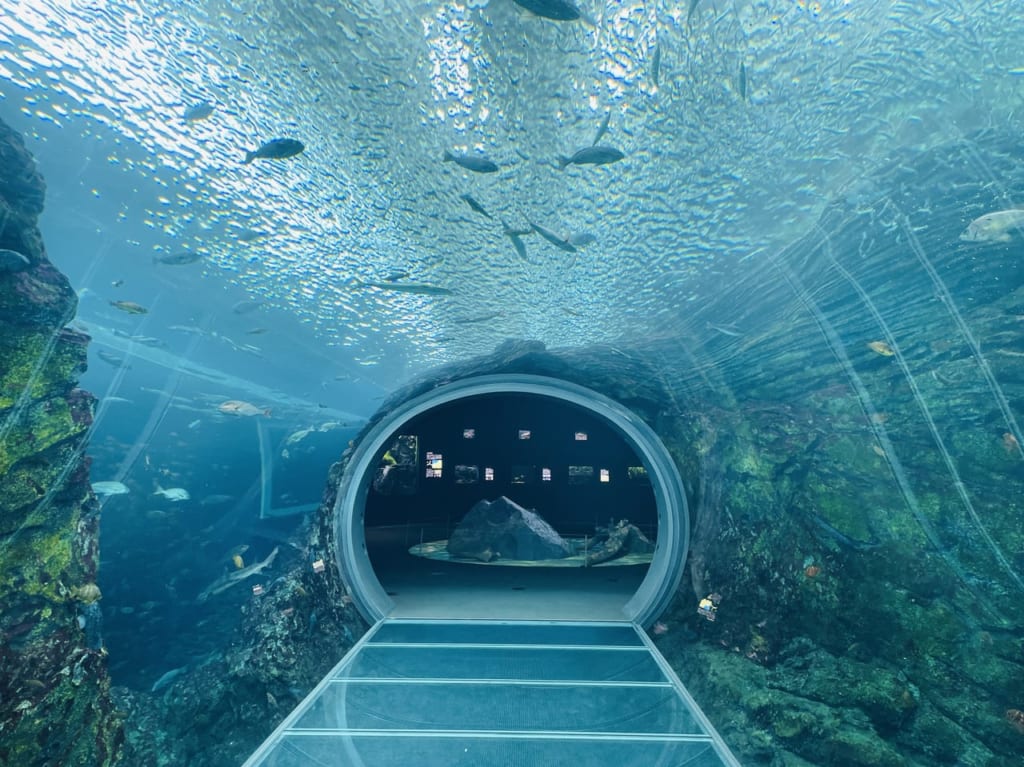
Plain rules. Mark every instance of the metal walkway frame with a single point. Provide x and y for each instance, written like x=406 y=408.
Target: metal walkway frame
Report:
x=445 y=693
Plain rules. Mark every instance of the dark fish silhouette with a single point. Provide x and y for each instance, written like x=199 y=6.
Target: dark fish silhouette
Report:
x=178 y=259
x=515 y=235
x=559 y=10
x=475 y=205
x=275 y=149
x=592 y=155
x=469 y=162
x=198 y=112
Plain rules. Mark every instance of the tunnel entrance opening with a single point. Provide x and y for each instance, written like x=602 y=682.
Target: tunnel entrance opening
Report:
x=511 y=497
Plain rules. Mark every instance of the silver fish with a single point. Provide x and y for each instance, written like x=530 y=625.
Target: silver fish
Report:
x=178 y=259
x=592 y=155
x=198 y=112
x=236 y=576
x=109 y=488
x=471 y=162
x=557 y=240
x=419 y=288
x=174 y=494
x=998 y=226
x=475 y=205
x=515 y=235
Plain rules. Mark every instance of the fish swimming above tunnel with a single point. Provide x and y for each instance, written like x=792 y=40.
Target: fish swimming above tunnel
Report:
x=558 y=10
x=999 y=226
x=229 y=579
x=240 y=407
x=419 y=288
x=592 y=155
x=275 y=149
x=109 y=488
x=178 y=259
x=562 y=243
x=475 y=163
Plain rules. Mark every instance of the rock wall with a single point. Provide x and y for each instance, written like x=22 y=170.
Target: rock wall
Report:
x=55 y=706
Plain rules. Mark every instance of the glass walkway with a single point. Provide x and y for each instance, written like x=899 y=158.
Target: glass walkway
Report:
x=494 y=693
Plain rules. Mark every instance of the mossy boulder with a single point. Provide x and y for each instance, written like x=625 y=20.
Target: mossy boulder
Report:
x=55 y=706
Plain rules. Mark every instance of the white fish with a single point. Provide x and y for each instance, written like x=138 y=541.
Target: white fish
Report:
x=173 y=493
x=995 y=227
x=109 y=488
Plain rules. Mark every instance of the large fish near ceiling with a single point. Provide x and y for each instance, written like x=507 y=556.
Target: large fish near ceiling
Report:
x=559 y=10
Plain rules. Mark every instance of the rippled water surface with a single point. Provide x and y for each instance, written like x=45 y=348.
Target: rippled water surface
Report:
x=738 y=121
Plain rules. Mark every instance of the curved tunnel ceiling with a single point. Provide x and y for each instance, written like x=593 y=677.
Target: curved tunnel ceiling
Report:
x=665 y=570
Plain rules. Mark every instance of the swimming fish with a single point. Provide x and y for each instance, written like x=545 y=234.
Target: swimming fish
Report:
x=236 y=576
x=420 y=288
x=240 y=407
x=555 y=239
x=559 y=10
x=743 y=82
x=239 y=562
x=579 y=239
x=995 y=227
x=110 y=358
x=515 y=235
x=655 y=64
x=244 y=307
x=475 y=205
x=198 y=112
x=13 y=261
x=275 y=149
x=592 y=155
x=602 y=128
x=109 y=488
x=477 y=164
x=881 y=347
x=178 y=259
x=174 y=494
x=129 y=306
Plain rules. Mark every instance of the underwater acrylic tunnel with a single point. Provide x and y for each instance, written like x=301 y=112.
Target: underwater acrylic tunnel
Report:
x=652 y=593
x=479 y=679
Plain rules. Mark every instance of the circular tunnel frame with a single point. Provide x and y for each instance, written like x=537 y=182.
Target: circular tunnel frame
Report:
x=673 y=536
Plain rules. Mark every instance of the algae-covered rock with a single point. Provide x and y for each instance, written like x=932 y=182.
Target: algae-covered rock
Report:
x=55 y=706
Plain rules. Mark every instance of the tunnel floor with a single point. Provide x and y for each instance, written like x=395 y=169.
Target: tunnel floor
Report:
x=425 y=588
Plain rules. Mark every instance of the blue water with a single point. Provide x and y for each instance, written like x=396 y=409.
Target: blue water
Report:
x=741 y=123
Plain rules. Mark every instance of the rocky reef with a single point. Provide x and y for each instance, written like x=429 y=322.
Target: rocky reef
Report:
x=55 y=706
